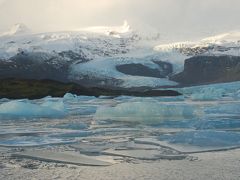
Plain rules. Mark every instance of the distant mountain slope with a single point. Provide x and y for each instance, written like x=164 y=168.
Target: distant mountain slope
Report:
x=17 y=29
x=110 y=57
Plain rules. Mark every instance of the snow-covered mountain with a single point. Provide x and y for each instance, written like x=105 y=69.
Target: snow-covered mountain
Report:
x=93 y=42
x=223 y=44
x=115 y=31
x=99 y=54
x=17 y=29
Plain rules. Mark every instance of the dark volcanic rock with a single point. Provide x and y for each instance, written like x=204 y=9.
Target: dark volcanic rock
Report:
x=79 y=57
x=209 y=69
x=35 y=66
x=35 y=89
x=140 y=70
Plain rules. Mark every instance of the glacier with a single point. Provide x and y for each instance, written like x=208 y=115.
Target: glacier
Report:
x=92 y=54
x=205 y=117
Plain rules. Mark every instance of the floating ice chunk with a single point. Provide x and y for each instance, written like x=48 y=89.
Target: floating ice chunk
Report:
x=146 y=112
x=208 y=93
x=90 y=148
x=211 y=91
x=62 y=157
x=69 y=96
x=238 y=94
x=27 y=109
x=88 y=110
x=59 y=106
x=144 y=154
x=202 y=140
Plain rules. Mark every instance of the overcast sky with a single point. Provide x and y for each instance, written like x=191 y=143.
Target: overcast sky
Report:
x=175 y=17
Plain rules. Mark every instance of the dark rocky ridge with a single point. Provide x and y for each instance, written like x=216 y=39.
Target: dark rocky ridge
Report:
x=140 y=70
x=40 y=65
x=209 y=69
x=35 y=89
x=35 y=66
x=198 y=50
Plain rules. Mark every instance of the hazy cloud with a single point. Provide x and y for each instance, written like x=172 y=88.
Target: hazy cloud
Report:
x=182 y=17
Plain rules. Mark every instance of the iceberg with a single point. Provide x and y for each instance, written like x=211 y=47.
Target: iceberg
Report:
x=211 y=91
x=69 y=96
x=208 y=93
x=26 y=109
x=72 y=97
x=147 y=112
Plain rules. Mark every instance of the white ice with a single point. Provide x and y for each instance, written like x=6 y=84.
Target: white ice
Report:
x=147 y=112
x=26 y=109
x=113 y=42
x=106 y=68
x=212 y=92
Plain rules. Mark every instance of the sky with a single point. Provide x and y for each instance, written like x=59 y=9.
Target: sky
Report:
x=183 y=18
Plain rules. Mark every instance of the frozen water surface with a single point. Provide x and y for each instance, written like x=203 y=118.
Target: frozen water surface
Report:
x=205 y=118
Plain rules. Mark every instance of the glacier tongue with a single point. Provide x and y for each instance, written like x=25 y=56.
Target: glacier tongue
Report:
x=105 y=68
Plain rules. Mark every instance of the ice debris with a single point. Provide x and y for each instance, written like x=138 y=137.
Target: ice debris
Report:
x=27 y=109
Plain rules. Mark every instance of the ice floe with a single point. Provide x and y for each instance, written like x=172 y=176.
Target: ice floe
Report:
x=62 y=157
x=198 y=141
x=19 y=109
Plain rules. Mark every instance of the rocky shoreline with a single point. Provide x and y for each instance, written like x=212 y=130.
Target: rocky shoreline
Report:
x=36 y=89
